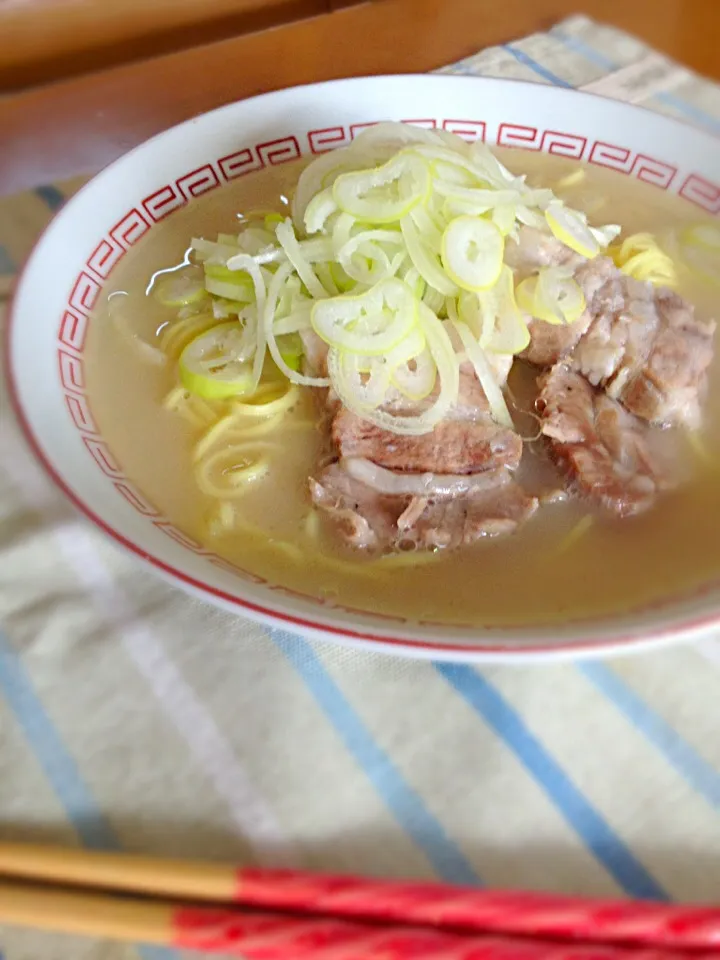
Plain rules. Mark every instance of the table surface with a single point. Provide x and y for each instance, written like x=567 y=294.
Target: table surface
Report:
x=76 y=126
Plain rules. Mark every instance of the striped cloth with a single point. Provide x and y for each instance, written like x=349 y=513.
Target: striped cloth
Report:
x=134 y=717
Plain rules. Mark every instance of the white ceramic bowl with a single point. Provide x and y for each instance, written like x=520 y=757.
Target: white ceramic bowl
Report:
x=75 y=257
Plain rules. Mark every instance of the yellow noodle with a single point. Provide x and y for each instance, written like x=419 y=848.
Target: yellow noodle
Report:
x=237 y=478
x=699 y=448
x=577 y=533
x=640 y=256
x=280 y=404
x=571 y=180
x=177 y=335
x=179 y=401
x=408 y=558
x=312 y=525
x=211 y=436
x=242 y=428
x=289 y=549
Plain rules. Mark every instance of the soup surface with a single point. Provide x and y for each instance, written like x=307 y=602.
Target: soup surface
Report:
x=550 y=571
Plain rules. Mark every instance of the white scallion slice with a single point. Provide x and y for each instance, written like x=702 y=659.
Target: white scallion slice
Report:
x=369 y=324
x=387 y=193
x=570 y=227
x=472 y=252
x=446 y=363
x=553 y=295
x=485 y=375
x=321 y=207
x=228 y=284
x=367 y=382
x=425 y=261
x=179 y=289
x=209 y=366
x=288 y=241
x=559 y=294
x=247 y=263
x=504 y=330
x=268 y=320
x=416 y=378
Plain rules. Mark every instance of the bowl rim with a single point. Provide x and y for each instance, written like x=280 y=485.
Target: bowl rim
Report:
x=642 y=638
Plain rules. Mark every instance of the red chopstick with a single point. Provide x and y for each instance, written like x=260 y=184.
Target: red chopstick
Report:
x=484 y=911
x=331 y=899
x=313 y=938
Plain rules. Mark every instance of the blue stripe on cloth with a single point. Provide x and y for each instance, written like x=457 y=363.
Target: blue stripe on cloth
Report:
x=688 y=110
x=696 y=771
x=404 y=803
x=6 y=264
x=58 y=765
x=609 y=849
x=51 y=195
x=536 y=67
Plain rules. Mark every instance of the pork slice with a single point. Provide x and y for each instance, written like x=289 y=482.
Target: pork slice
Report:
x=550 y=342
x=370 y=521
x=364 y=519
x=651 y=353
x=454 y=446
x=611 y=456
x=468 y=441
x=534 y=249
x=496 y=512
x=671 y=386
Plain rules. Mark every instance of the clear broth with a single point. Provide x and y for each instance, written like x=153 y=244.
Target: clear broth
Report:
x=529 y=578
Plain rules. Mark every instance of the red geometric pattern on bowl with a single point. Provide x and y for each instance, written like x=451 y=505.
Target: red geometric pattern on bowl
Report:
x=73 y=330
x=329 y=138
x=427 y=124
x=622 y=159
x=466 y=129
x=104 y=257
x=702 y=193
x=128 y=231
x=80 y=413
x=111 y=248
x=103 y=457
x=135 y=498
x=84 y=294
x=72 y=372
x=546 y=141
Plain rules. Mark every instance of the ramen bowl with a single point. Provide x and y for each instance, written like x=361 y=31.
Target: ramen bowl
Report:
x=74 y=261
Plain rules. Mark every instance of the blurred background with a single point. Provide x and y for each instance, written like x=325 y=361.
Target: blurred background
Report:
x=83 y=80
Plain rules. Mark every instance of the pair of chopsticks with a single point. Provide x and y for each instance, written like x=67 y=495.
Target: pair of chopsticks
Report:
x=289 y=915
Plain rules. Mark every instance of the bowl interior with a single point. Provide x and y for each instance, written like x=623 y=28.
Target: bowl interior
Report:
x=64 y=277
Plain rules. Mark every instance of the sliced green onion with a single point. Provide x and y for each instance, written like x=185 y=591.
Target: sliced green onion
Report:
x=369 y=324
x=485 y=375
x=179 y=289
x=472 y=252
x=387 y=193
x=209 y=365
x=425 y=262
x=287 y=239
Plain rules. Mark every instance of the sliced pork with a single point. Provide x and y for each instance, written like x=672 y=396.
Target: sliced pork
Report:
x=534 y=249
x=641 y=343
x=610 y=456
x=652 y=354
x=445 y=488
x=468 y=441
x=369 y=519
x=550 y=342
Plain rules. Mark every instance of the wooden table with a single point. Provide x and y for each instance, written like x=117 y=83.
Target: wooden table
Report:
x=55 y=130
